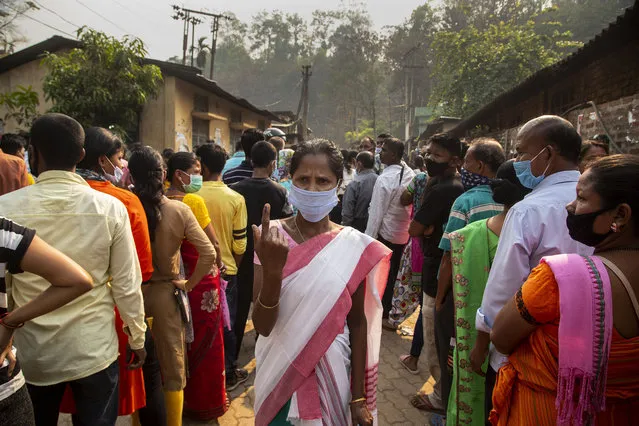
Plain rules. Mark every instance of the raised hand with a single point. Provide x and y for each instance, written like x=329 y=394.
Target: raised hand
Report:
x=270 y=244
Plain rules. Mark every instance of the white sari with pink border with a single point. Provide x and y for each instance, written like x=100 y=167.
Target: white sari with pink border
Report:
x=306 y=359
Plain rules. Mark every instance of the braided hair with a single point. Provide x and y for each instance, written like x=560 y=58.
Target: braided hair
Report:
x=147 y=172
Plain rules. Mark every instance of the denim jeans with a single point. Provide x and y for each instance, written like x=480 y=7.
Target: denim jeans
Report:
x=230 y=341
x=95 y=396
x=244 y=299
x=396 y=260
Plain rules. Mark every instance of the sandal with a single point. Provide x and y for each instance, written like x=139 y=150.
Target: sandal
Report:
x=422 y=402
x=387 y=325
x=402 y=360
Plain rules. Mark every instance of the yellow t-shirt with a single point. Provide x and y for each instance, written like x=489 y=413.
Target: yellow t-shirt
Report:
x=198 y=207
x=228 y=214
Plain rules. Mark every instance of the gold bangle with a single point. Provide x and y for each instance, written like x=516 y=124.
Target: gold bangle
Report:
x=355 y=401
x=259 y=301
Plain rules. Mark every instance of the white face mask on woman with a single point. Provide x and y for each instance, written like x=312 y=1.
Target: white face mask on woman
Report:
x=116 y=177
x=313 y=205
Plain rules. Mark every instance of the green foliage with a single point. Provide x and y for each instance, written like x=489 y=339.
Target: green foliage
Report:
x=453 y=55
x=364 y=128
x=355 y=64
x=104 y=83
x=22 y=106
x=481 y=14
x=586 y=18
x=473 y=66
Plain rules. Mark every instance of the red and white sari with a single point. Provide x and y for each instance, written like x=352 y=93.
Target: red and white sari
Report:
x=306 y=359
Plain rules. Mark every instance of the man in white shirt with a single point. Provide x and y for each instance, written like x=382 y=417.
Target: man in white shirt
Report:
x=388 y=219
x=547 y=162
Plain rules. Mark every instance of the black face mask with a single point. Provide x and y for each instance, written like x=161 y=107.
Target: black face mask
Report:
x=433 y=168
x=580 y=228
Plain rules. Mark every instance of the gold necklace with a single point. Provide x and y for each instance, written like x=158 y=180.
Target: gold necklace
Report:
x=298 y=229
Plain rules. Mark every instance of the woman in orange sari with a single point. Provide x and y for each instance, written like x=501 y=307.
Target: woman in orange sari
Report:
x=572 y=331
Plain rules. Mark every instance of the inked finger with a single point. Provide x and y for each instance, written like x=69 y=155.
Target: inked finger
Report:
x=266 y=217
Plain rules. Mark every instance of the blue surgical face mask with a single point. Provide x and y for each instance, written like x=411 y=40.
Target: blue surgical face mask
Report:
x=525 y=175
x=313 y=205
x=194 y=186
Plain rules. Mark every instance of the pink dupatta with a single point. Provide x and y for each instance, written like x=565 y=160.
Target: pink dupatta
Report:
x=585 y=336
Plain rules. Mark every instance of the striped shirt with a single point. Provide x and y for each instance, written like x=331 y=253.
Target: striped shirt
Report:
x=234 y=161
x=14 y=242
x=473 y=205
x=239 y=173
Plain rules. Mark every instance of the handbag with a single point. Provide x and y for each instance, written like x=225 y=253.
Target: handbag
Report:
x=183 y=304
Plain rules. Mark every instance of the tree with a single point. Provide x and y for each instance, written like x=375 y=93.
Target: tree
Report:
x=474 y=66
x=22 y=106
x=460 y=14
x=454 y=57
x=103 y=83
x=202 y=53
x=408 y=51
x=10 y=11
x=355 y=75
x=364 y=128
x=586 y=18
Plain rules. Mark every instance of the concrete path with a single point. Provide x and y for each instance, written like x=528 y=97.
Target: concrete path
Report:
x=396 y=385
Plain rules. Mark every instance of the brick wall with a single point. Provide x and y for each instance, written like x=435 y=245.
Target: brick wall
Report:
x=621 y=119
x=620 y=116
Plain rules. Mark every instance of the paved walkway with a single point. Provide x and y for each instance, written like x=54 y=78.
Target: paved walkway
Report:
x=396 y=385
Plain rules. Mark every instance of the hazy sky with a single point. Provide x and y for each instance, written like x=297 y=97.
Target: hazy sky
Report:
x=151 y=19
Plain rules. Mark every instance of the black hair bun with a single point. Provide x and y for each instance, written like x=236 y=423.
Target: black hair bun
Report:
x=506 y=192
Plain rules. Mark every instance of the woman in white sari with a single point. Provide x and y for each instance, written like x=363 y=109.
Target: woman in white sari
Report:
x=317 y=305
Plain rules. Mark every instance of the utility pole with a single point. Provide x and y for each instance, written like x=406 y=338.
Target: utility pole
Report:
x=180 y=13
x=214 y=29
x=194 y=20
x=306 y=75
x=185 y=14
x=390 y=115
x=408 y=99
x=406 y=107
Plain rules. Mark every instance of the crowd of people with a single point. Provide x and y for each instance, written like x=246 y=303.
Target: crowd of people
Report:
x=127 y=277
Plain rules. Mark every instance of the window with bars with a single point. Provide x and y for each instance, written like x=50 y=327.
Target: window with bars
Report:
x=200 y=131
